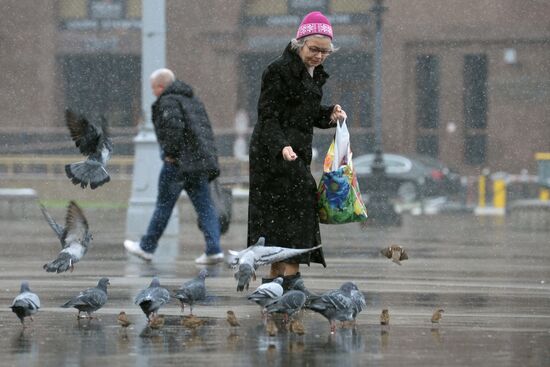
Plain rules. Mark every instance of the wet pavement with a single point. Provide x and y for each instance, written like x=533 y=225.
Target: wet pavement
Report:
x=492 y=282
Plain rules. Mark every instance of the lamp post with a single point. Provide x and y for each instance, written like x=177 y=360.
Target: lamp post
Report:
x=381 y=211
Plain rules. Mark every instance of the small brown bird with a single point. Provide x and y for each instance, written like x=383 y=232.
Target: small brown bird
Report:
x=156 y=322
x=192 y=321
x=385 y=317
x=123 y=320
x=271 y=328
x=436 y=317
x=232 y=319
x=396 y=253
x=297 y=327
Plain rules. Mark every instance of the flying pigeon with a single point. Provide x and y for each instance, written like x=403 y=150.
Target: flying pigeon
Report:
x=334 y=305
x=92 y=138
x=288 y=304
x=396 y=253
x=192 y=291
x=438 y=314
x=152 y=298
x=267 y=292
x=74 y=238
x=90 y=300
x=249 y=259
x=25 y=304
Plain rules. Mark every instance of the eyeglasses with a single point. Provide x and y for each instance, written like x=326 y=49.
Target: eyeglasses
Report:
x=316 y=50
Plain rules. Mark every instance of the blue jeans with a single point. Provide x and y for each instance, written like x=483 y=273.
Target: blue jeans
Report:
x=170 y=185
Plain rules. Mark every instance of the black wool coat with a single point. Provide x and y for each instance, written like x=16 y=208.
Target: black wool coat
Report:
x=184 y=132
x=283 y=195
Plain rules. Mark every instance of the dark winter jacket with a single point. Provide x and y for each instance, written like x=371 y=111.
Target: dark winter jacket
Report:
x=282 y=202
x=184 y=132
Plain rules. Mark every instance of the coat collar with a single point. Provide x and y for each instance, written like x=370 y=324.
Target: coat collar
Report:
x=298 y=68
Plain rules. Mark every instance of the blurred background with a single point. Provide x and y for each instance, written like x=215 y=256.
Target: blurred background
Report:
x=466 y=82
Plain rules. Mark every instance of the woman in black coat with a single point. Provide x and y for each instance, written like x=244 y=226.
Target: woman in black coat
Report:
x=283 y=203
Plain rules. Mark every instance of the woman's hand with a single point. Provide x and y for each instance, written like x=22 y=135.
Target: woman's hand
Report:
x=288 y=154
x=337 y=114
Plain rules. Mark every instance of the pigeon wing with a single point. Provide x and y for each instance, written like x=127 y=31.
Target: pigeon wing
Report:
x=85 y=134
x=76 y=225
x=57 y=228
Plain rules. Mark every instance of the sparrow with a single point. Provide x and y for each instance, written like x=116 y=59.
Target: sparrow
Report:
x=297 y=327
x=123 y=320
x=385 y=317
x=192 y=322
x=436 y=317
x=271 y=328
x=232 y=319
x=156 y=322
x=396 y=253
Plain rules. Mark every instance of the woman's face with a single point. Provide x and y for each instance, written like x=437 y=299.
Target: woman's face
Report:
x=315 y=51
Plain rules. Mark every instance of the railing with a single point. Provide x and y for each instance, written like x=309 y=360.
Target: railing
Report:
x=233 y=171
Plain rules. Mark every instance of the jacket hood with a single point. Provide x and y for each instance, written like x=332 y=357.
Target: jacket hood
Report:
x=178 y=87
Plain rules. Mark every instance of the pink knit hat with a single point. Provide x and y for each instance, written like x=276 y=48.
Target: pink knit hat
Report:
x=314 y=23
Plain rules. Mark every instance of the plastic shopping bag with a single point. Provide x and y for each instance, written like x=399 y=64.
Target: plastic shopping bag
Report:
x=338 y=195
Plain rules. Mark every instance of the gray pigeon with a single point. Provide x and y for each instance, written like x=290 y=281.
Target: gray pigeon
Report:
x=192 y=291
x=90 y=300
x=266 y=255
x=152 y=298
x=249 y=259
x=288 y=304
x=267 y=292
x=74 y=238
x=334 y=305
x=25 y=304
x=92 y=138
x=358 y=300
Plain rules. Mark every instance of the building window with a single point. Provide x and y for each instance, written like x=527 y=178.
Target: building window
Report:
x=475 y=108
x=427 y=91
x=428 y=145
x=475 y=91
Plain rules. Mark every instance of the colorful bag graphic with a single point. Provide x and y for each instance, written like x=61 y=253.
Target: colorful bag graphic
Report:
x=338 y=196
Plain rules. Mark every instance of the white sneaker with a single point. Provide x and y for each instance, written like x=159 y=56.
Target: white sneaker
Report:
x=135 y=249
x=205 y=259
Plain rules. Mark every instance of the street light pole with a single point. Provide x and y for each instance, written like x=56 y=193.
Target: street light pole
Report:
x=381 y=211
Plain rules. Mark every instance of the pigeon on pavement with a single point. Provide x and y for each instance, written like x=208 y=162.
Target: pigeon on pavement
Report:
x=92 y=138
x=249 y=259
x=358 y=299
x=74 y=238
x=25 y=304
x=288 y=304
x=152 y=298
x=267 y=292
x=334 y=305
x=90 y=300
x=396 y=253
x=192 y=291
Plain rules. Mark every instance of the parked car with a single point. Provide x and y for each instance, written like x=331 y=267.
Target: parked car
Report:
x=409 y=177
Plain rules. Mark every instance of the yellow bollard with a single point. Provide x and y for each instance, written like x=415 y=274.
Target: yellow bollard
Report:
x=544 y=195
x=482 y=191
x=499 y=193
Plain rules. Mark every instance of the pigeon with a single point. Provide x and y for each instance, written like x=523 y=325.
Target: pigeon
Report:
x=267 y=292
x=74 y=238
x=358 y=299
x=436 y=317
x=334 y=305
x=396 y=253
x=385 y=317
x=123 y=320
x=89 y=300
x=25 y=304
x=152 y=298
x=249 y=259
x=92 y=138
x=288 y=304
x=192 y=291
x=232 y=319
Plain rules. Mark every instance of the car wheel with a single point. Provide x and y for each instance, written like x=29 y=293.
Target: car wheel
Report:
x=407 y=192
